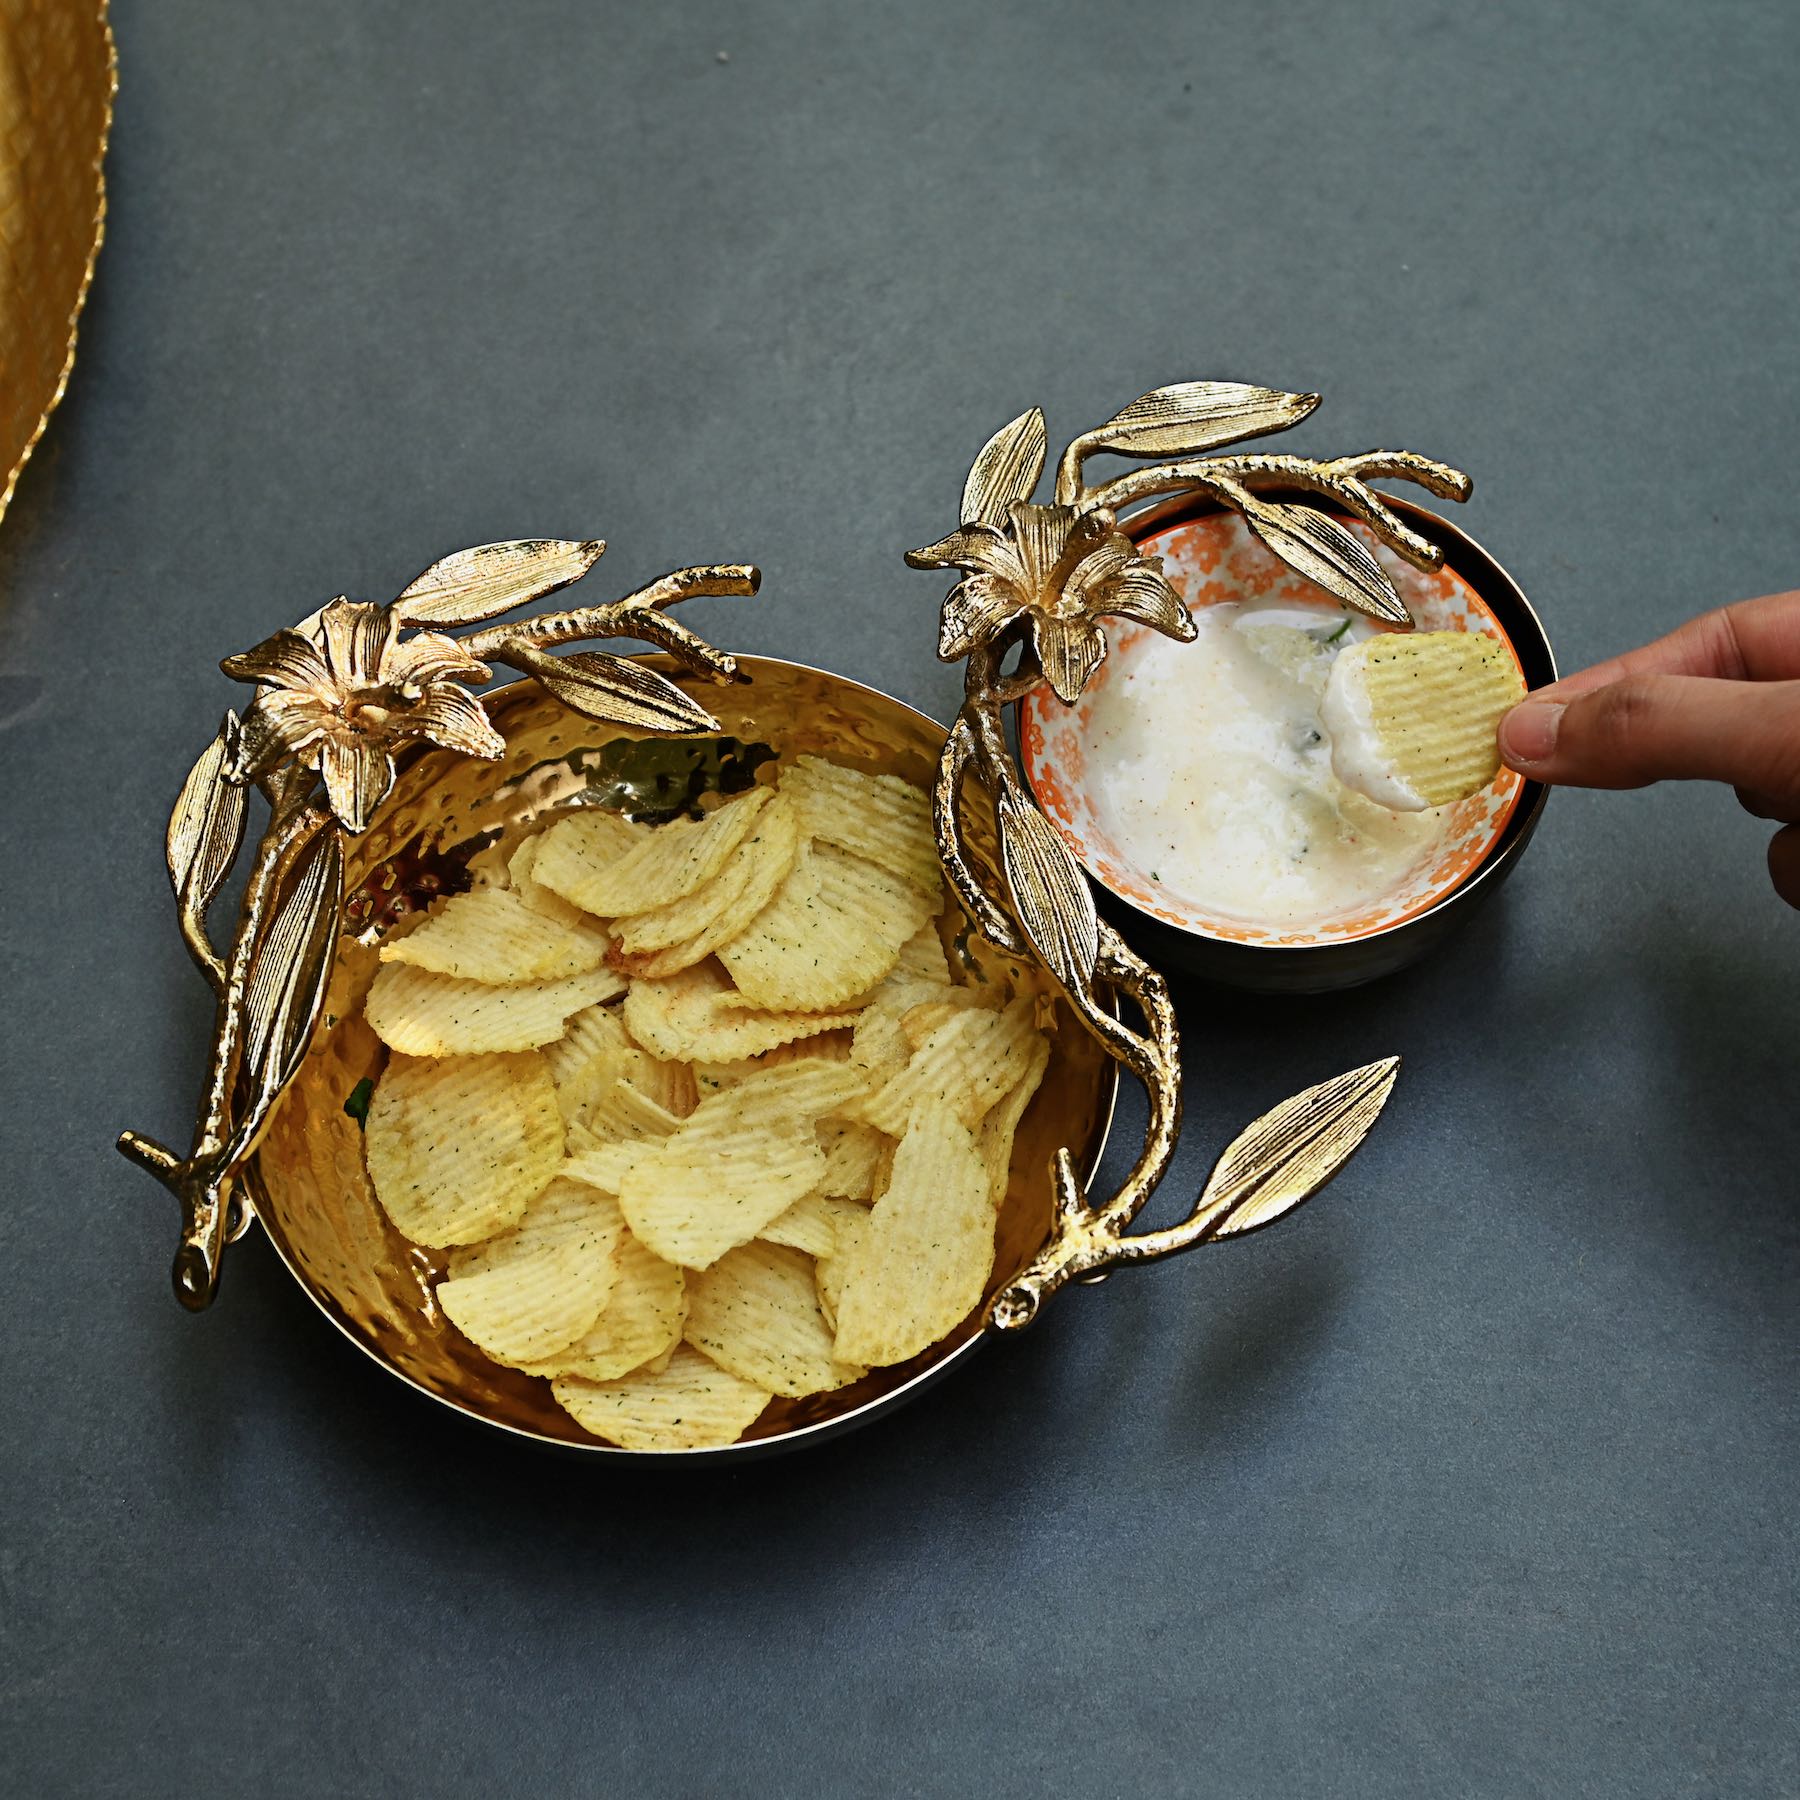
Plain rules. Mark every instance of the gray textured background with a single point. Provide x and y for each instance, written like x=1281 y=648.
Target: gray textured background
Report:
x=1481 y=1476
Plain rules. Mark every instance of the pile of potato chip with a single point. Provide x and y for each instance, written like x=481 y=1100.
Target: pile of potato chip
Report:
x=698 y=1108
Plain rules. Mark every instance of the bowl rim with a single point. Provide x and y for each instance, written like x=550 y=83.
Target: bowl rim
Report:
x=743 y=1450
x=1483 y=572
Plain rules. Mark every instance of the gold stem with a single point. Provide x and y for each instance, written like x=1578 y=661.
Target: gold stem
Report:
x=202 y=1183
x=1342 y=480
x=615 y=618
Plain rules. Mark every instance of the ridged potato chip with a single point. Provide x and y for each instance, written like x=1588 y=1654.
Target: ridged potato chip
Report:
x=533 y=892
x=879 y=817
x=588 y=1058
x=967 y=1064
x=1413 y=716
x=457 y=1148
x=879 y=1045
x=854 y=1155
x=740 y=1158
x=426 y=1014
x=994 y=1136
x=582 y=861
x=827 y=1046
x=924 y=1017
x=545 y=1282
x=828 y=1271
x=921 y=1262
x=832 y=931
x=812 y=1223
x=623 y=1113
x=692 y=1404
x=698 y=1016
x=642 y=1320
x=605 y=1166
x=491 y=935
x=694 y=926
x=922 y=957
x=756 y=1313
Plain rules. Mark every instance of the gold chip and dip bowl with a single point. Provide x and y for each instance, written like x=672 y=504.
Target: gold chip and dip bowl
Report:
x=394 y=792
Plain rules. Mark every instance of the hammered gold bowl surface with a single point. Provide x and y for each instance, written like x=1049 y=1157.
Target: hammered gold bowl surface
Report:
x=307 y=1181
x=56 y=93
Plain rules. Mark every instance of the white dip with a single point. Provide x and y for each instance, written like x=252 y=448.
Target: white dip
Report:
x=1211 y=773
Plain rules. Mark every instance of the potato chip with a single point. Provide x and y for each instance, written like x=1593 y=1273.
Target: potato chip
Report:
x=922 y=957
x=424 y=1014
x=854 y=1154
x=697 y=1015
x=581 y=859
x=1413 y=716
x=692 y=1404
x=493 y=936
x=879 y=1045
x=642 y=1320
x=756 y=1313
x=921 y=1020
x=605 y=1166
x=879 y=817
x=834 y=928
x=622 y=1113
x=458 y=1148
x=921 y=1262
x=593 y=1052
x=811 y=1224
x=534 y=894
x=741 y=1158
x=719 y=908
x=994 y=1136
x=967 y=1063
x=829 y=1046
x=828 y=1271
x=545 y=1282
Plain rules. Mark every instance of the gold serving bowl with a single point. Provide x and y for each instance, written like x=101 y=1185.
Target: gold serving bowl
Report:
x=307 y=1182
x=57 y=77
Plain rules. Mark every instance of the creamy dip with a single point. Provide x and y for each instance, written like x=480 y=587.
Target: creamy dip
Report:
x=1209 y=769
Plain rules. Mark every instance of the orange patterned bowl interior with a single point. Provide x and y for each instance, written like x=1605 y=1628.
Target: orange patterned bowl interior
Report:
x=1209 y=560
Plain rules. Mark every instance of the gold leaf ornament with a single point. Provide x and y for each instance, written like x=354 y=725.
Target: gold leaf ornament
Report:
x=1191 y=417
x=1293 y=1150
x=492 y=579
x=1051 y=898
x=207 y=826
x=1006 y=469
x=600 y=686
x=288 y=971
x=1326 y=553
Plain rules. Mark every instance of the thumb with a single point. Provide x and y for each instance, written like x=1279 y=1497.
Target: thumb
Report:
x=1646 y=728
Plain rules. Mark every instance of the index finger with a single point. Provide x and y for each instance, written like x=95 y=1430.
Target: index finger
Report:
x=1753 y=640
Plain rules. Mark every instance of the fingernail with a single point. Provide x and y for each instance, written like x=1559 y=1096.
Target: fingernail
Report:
x=1528 y=732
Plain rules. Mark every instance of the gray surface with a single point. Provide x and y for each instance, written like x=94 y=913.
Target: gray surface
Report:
x=1480 y=1477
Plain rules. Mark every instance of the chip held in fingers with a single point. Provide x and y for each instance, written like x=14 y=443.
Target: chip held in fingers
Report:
x=1414 y=717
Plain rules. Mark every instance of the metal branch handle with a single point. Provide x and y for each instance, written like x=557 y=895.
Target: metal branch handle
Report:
x=336 y=697
x=1038 y=579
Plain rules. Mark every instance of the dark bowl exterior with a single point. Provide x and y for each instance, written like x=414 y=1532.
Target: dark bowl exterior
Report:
x=1323 y=968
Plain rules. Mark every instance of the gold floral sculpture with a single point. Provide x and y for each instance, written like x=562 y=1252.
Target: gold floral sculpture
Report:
x=1039 y=579
x=336 y=697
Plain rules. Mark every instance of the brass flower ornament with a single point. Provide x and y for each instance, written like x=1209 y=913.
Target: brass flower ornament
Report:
x=1059 y=567
x=342 y=703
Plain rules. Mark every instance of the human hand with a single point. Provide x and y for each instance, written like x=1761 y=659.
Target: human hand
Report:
x=1716 y=700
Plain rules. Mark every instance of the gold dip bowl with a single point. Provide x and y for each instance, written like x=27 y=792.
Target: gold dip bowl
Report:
x=306 y=1182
